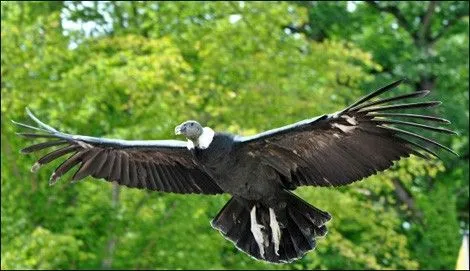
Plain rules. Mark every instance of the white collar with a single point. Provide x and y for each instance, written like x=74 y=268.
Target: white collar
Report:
x=204 y=140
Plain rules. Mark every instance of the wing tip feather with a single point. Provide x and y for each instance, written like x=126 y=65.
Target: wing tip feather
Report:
x=40 y=123
x=53 y=179
x=35 y=167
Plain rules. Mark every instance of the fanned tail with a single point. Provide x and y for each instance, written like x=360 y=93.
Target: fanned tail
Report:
x=276 y=235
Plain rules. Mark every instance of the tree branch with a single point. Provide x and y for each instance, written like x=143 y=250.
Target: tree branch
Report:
x=446 y=27
x=108 y=259
x=168 y=213
x=118 y=14
x=393 y=10
x=424 y=30
x=237 y=9
x=405 y=197
x=297 y=29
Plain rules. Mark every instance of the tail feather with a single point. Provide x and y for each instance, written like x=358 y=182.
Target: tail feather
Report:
x=299 y=224
x=233 y=221
x=300 y=242
x=287 y=249
x=315 y=215
x=231 y=210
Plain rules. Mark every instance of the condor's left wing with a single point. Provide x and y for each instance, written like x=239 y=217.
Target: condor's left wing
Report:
x=340 y=148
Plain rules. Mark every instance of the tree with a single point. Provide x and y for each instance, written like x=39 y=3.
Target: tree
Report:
x=428 y=44
x=139 y=68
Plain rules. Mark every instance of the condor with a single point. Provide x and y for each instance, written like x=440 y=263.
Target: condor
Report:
x=263 y=218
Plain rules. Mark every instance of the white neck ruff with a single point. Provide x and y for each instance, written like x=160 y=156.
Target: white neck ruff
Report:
x=204 y=140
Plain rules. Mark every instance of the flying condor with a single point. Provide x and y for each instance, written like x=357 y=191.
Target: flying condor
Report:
x=263 y=218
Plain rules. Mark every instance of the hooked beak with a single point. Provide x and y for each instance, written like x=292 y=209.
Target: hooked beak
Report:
x=178 y=130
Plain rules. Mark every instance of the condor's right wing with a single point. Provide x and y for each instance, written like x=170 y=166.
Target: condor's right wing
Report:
x=161 y=165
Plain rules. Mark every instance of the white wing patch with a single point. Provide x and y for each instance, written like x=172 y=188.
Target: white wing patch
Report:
x=257 y=233
x=344 y=128
x=350 y=120
x=260 y=236
x=276 y=236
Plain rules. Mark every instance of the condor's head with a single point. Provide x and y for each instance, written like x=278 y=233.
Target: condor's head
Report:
x=198 y=136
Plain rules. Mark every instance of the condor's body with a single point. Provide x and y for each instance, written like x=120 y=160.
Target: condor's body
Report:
x=243 y=176
x=263 y=218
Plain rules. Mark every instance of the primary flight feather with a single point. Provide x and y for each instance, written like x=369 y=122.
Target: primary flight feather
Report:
x=263 y=218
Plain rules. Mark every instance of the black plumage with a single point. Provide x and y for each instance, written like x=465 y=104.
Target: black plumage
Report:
x=263 y=218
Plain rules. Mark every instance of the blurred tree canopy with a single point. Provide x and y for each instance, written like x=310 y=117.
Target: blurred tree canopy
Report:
x=134 y=70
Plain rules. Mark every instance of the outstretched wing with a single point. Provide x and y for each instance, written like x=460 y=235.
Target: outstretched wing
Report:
x=162 y=165
x=340 y=148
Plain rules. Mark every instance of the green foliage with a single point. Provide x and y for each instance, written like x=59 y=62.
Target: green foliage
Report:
x=143 y=67
x=44 y=250
x=438 y=238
